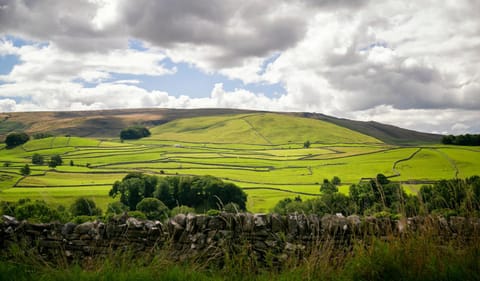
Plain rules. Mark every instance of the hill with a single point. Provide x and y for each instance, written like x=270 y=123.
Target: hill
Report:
x=260 y=128
x=109 y=123
x=384 y=132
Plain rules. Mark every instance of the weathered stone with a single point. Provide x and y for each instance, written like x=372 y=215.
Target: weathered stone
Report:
x=68 y=228
x=84 y=228
x=8 y=220
x=260 y=221
x=278 y=223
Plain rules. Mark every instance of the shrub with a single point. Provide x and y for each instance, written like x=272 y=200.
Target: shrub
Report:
x=84 y=207
x=153 y=208
x=55 y=160
x=37 y=159
x=35 y=211
x=116 y=208
x=25 y=170
x=133 y=133
x=137 y=215
x=181 y=210
x=14 y=139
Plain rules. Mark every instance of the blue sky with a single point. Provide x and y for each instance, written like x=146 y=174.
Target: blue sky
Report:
x=413 y=65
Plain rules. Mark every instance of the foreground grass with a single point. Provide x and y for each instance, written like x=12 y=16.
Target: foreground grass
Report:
x=419 y=257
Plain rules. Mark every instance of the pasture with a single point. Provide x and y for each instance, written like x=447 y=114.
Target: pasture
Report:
x=262 y=153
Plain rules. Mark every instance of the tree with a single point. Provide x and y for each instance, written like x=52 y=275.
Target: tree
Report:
x=328 y=187
x=336 y=181
x=306 y=144
x=15 y=139
x=130 y=190
x=116 y=208
x=133 y=133
x=153 y=208
x=25 y=170
x=55 y=160
x=71 y=163
x=37 y=159
x=84 y=207
x=42 y=135
x=35 y=211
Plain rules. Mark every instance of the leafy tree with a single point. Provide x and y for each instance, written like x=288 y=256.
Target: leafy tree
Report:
x=71 y=163
x=116 y=208
x=37 y=159
x=84 y=207
x=131 y=191
x=55 y=160
x=153 y=208
x=35 y=211
x=336 y=181
x=25 y=170
x=135 y=132
x=15 y=139
x=306 y=144
x=328 y=187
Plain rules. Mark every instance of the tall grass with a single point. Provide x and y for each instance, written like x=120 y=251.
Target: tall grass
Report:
x=416 y=256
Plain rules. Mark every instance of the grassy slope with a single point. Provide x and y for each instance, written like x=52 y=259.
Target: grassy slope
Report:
x=264 y=129
x=259 y=151
x=108 y=123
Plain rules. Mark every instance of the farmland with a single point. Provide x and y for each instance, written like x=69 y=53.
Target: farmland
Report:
x=263 y=153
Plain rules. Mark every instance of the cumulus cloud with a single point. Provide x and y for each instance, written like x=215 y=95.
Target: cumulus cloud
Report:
x=414 y=64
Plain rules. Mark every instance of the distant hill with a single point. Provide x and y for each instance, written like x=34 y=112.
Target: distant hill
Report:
x=257 y=128
x=386 y=133
x=109 y=123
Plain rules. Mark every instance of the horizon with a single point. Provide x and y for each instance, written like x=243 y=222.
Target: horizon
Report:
x=410 y=65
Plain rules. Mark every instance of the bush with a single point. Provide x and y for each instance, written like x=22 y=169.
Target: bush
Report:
x=35 y=211
x=14 y=139
x=116 y=208
x=137 y=215
x=37 y=159
x=25 y=170
x=153 y=208
x=181 y=210
x=84 y=207
x=42 y=135
x=213 y=212
x=55 y=160
x=133 y=133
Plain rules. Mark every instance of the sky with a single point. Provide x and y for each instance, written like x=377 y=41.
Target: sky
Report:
x=413 y=64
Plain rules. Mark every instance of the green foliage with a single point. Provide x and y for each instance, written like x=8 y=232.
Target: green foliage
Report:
x=306 y=144
x=213 y=212
x=137 y=215
x=55 y=160
x=25 y=170
x=37 y=159
x=468 y=139
x=116 y=208
x=328 y=187
x=133 y=133
x=34 y=211
x=153 y=208
x=84 y=207
x=182 y=210
x=336 y=181
x=38 y=136
x=231 y=208
x=15 y=139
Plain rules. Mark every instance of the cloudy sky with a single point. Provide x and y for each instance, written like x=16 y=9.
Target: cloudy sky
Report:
x=415 y=64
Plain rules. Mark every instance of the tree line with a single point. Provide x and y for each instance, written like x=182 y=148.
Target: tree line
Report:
x=381 y=197
x=468 y=139
x=199 y=192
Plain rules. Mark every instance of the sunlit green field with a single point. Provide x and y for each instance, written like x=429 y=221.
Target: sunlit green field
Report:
x=262 y=153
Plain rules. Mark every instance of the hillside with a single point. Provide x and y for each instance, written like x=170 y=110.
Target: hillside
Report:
x=261 y=128
x=108 y=123
x=384 y=132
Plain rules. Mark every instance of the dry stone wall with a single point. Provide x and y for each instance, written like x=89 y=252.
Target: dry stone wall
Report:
x=213 y=236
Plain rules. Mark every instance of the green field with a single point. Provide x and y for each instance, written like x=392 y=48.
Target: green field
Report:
x=262 y=153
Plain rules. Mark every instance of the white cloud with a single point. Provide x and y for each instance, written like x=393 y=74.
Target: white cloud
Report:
x=414 y=64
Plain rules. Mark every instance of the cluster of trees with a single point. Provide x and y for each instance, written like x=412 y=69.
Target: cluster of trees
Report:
x=381 y=197
x=15 y=139
x=468 y=139
x=199 y=192
x=55 y=160
x=39 y=211
x=133 y=133
x=38 y=136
